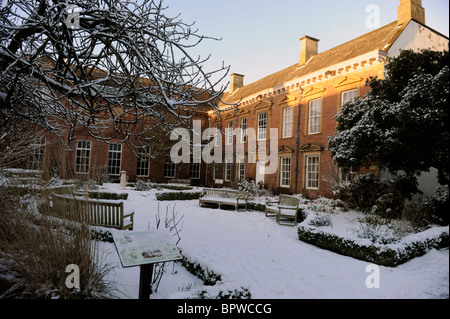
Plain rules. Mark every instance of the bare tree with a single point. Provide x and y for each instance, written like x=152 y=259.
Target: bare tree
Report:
x=115 y=69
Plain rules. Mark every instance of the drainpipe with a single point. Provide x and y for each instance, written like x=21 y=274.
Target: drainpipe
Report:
x=297 y=169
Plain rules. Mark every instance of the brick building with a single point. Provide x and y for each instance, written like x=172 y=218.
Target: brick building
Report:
x=300 y=101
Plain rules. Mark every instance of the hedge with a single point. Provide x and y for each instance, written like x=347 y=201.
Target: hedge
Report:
x=111 y=196
x=210 y=278
x=177 y=196
x=390 y=255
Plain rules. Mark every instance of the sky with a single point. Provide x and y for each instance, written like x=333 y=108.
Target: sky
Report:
x=261 y=37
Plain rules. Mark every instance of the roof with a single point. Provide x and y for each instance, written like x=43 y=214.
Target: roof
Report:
x=380 y=39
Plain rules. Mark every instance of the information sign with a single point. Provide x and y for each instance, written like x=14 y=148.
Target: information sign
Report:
x=144 y=247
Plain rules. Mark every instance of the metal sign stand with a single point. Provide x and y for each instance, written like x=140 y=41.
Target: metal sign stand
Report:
x=145 y=281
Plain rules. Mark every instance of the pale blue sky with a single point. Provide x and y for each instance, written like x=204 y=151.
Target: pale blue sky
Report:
x=261 y=37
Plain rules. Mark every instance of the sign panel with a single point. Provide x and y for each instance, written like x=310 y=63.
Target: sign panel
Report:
x=144 y=247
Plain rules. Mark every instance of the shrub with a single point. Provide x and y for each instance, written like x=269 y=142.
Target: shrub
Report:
x=111 y=196
x=256 y=206
x=320 y=221
x=253 y=189
x=210 y=278
x=35 y=250
x=386 y=255
x=382 y=196
x=169 y=196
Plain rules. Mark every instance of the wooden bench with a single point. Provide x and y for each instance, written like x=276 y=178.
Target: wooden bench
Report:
x=221 y=197
x=285 y=210
x=93 y=212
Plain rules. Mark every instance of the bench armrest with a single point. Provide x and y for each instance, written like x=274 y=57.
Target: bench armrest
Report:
x=129 y=215
x=287 y=207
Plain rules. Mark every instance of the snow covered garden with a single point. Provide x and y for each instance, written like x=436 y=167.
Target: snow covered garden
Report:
x=252 y=256
x=244 y=254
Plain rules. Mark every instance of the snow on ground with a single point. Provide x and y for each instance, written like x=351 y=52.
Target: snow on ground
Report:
x=249 y=250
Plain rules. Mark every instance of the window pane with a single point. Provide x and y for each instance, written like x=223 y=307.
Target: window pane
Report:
x=262 y=126
x=312 y=172
x=244 y=130
x=143 y=163
x=241 y=169
x=169 y=170
x=315 y=110
x=285 y=173
x=114 y=159
x=348 y=96
x=227 y=170
x=82 y=157
x=287 y=121
x=194 y=171
x=230 y=133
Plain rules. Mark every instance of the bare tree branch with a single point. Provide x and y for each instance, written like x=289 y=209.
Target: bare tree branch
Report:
x=101 y=65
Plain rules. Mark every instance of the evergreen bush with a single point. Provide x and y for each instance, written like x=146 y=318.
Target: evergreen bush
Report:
x=385 y=255
x=170 y=196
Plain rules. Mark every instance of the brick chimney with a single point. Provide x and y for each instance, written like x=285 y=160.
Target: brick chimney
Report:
x=237 y=81
x=411 y=9
x=309 y=48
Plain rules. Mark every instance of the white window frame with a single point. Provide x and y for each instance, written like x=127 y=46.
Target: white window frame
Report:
x=143 y=163
x=36 y=160
x=227 y=170
x=169 y=167
x=314 y=116
x=262 y=126
x=83 y=157
x=285 y=171
x=312 y=171
x=194 y=171
x=240 y=169
x=243 y=126
x=288 y=121
x=347 y=177
x=114 y=159
x=348 y=96
x=215 y=171
x=230 y=133
x=217 y=136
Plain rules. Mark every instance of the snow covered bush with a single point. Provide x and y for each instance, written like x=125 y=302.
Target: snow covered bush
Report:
x=320 y=220
x=401 y=125
x=389 y=255
x=377 y=230
x=380 y=196
x=35 y=250
x=253 y=189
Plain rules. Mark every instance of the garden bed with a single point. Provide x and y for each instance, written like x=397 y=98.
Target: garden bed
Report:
x=369 y=238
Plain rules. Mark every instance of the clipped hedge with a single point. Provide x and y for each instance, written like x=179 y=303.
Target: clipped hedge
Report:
x=210 y=278
x=390 y=255
x=169 y=196
x=111 y=196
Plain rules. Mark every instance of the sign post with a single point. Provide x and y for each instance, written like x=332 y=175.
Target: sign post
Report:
x=144 y=249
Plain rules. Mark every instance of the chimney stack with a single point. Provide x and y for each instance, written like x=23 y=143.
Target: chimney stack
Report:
x=237 y=81
x=411 y=9
x=309 y=48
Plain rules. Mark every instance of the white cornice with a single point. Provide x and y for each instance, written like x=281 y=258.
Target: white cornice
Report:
x=348 y=66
